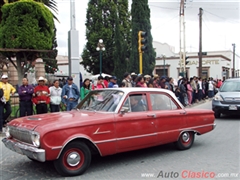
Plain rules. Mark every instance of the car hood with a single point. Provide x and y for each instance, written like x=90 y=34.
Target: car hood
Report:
x=230 y=95
x=58 y=120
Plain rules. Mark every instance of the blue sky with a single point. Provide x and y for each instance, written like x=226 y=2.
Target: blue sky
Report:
x=221 y=23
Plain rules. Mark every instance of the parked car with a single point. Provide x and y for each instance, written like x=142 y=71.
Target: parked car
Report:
x=227 y=100
x=107 y=121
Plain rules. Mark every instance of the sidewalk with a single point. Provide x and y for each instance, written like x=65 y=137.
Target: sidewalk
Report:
x=198 y=103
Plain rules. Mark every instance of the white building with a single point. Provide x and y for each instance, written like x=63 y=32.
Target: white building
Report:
x=63 y=66
x=216 y=64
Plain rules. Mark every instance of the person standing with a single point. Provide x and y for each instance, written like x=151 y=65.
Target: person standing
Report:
x=55 y=96
x=25 y=92
x=127 y=80
x=99 y=84
x=70 y=94
x=41 y=96
x=86 y=88
x=189 y=91
x=7 y=89
x=113 y=82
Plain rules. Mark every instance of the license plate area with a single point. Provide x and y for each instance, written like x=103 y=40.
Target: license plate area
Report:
x=233 y=107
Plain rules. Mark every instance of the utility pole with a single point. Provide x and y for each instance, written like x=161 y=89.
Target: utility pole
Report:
x=233 y=73
x=200 y=43
x=73 y=47
x=182 y=52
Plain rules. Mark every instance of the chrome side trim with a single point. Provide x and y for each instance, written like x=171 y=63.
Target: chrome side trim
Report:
x=214 y=125
x=125 y=138
x=103 y=132
x=134 y=137
x=57 y=147
x=32 y=152
x=77 y=138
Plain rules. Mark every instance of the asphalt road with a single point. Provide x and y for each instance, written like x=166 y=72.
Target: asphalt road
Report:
x=214 y=155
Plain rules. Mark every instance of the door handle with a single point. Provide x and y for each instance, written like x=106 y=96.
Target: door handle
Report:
x=151 y=115
x=183 y=112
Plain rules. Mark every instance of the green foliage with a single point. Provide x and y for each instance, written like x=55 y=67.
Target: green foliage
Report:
x=100 y=24
x=122 y=39
x=51 y=4
x=50 y=58
x=141 y=22
x=27 y=25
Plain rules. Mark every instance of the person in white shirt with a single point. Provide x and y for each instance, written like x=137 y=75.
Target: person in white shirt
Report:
x=200 y=90
x=55 y=96
x=210 y=89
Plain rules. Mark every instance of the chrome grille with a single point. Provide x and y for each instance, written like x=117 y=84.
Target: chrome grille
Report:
x=21 y=134
x=231 y=100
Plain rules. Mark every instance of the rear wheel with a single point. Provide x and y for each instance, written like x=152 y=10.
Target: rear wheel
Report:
x=185 y=140
x=74 y=159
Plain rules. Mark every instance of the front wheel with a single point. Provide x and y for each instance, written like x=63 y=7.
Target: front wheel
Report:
x=185 y=141
x=74 y=160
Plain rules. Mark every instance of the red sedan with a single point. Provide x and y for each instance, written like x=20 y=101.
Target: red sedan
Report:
x=107 y=122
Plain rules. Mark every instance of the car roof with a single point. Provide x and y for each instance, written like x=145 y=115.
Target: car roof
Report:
x=139 y=89
x=233 y=79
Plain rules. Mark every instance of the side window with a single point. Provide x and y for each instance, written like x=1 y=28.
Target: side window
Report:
x=136 y=103
x=162 y=102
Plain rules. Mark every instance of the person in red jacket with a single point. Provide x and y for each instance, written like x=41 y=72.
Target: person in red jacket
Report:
x=41 y=96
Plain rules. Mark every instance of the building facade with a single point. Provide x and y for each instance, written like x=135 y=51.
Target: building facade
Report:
x=215 y=64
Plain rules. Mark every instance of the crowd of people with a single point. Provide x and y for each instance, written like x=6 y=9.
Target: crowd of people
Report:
x=40 y=96
x=188 y=91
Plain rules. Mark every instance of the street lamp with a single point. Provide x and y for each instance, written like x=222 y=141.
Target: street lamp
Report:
x=100 y=48
x=163 y=56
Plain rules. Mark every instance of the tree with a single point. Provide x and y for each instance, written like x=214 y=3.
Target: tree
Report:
x=50 y=57
x=51 y=4
x=101 y=24
x=29 y=26
x=141 y=22
x=122 y=39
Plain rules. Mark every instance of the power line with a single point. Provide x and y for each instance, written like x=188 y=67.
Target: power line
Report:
x=163 y=7
x=235 y=22
x=167 y=21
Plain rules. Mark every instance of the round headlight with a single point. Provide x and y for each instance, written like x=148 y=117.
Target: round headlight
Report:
x=35 y=139
x=7 y=132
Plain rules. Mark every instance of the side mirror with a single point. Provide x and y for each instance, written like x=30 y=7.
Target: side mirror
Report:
x=124 y=110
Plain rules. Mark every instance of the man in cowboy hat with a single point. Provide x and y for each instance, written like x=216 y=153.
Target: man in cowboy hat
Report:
x=5 y=100
x=41 y=96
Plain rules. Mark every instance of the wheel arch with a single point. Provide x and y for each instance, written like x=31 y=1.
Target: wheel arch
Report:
x=189 y=130
x=91 y=145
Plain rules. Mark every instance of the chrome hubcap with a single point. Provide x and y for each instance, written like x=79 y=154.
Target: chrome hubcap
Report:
x=185 y=137
x=73 y=159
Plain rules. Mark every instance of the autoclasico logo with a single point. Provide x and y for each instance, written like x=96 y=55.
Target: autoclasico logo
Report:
x=186 y=174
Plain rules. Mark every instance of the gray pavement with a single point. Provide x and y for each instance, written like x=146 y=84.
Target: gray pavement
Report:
x=215 y=152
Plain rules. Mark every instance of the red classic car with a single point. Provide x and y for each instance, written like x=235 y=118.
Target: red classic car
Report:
x=107 y=122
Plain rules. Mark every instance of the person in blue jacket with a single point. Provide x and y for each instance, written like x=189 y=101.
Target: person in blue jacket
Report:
x=70 y=94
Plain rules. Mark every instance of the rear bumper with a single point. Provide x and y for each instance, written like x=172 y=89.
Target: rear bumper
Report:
x=31 y=152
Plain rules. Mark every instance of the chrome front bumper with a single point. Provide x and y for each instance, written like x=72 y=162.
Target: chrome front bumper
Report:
x=31 y=152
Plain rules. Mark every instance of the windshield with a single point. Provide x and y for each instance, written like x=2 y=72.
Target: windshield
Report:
x=101 y=100
x=230 y=86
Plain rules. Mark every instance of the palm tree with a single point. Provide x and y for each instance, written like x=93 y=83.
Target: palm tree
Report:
x=51 y=4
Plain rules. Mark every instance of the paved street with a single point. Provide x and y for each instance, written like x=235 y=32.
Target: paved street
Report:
x=215 y=153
